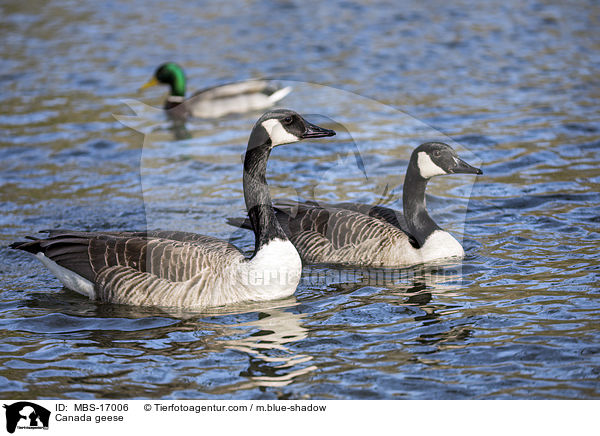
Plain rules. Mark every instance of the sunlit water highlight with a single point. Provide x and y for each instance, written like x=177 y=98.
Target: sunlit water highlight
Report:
x=514 y=87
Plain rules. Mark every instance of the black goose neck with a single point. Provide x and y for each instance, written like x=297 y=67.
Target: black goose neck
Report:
x=420 y=224
x=257 y=197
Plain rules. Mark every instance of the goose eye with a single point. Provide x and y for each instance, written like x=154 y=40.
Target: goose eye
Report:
x=437 y=153
x=287 y=120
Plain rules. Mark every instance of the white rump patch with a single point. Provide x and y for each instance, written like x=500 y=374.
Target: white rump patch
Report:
x=68 y=278
x=277 y=133
x=426 y=166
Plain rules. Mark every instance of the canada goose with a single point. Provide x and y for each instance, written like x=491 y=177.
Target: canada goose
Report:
x=365 y=235
x=187 y=270
x=217 y=101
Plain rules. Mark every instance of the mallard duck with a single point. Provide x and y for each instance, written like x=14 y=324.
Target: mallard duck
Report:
x=239 y=97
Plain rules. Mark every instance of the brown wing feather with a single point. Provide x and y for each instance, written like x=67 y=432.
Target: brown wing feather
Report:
x=173 y=256
x=315 y=215
x=383 y=213
x=329 y=234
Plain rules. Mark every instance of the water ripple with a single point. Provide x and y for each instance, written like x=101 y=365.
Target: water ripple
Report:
x=512 y=88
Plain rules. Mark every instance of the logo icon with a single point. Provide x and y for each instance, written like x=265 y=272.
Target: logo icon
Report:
x=26 y=415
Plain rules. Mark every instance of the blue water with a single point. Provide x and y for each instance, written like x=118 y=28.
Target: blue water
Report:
x=513 y=86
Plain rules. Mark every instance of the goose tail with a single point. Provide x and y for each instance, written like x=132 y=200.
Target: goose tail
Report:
x=32 y=246
x=242 y=223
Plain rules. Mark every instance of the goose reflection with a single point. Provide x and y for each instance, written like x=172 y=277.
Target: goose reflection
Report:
x=272 y=362
x=162 y=352
x=424 y=287
x=181 y=337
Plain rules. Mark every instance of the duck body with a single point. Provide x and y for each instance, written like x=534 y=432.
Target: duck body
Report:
x=364 y=235
x=188 y=270
x=217 y=101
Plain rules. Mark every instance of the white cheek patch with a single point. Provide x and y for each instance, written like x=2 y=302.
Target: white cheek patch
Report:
x=426 y=166
x=277 y=133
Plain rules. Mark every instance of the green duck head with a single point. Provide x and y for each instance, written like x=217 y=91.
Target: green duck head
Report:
x=170 y=74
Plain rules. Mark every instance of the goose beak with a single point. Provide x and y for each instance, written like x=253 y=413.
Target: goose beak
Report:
x=149 y=83
x=464 y=168
x=314 y=131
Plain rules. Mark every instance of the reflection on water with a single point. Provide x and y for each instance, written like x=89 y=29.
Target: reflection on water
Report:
x=512 y=86
x=271 y=363
x=166 y=350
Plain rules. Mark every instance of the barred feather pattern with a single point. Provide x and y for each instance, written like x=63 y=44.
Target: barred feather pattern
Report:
x=338 y=235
